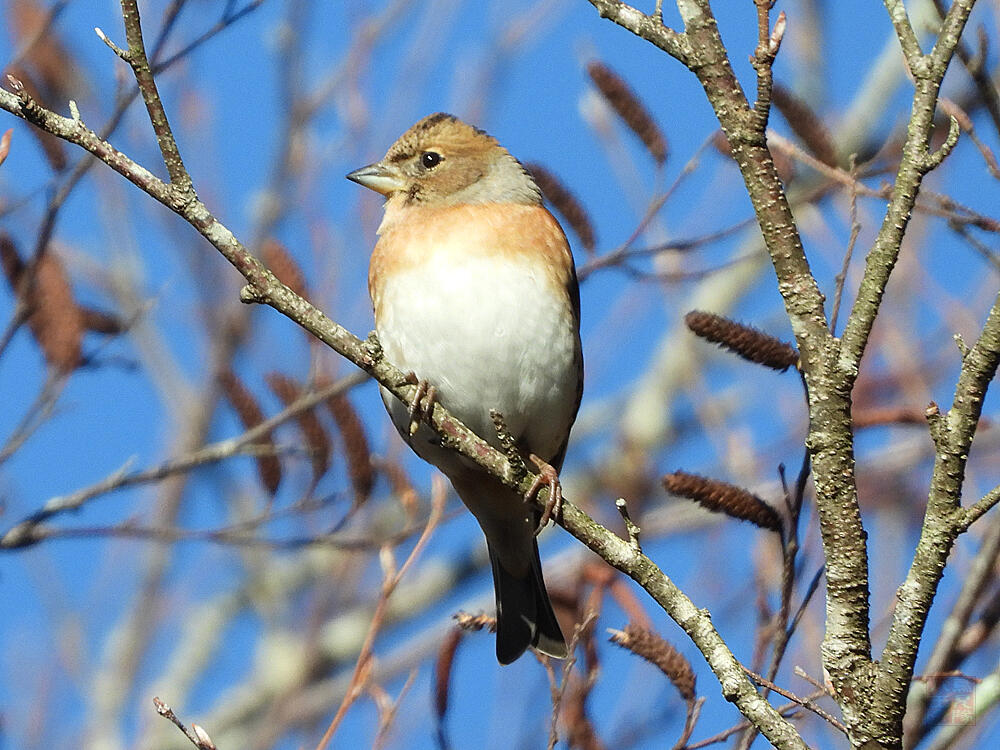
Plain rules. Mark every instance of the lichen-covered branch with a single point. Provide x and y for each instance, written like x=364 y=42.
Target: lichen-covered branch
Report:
x=846 y=646
x=830 y=366
x=136 y=57
x=944 y=520
x=918 y=159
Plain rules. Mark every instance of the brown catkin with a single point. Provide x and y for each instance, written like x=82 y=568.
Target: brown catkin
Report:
x=805 y=123
x=54 y=317
x=720 y=497
x=401 y=486
x=580 y=732
x=658 y=652
x=359 y=456
x=563 y=201
x=629 y=108
x=743 y=340
x=250 y=415
x=313 y=433
x=56 y=321
x=442 y=672
x=277 y=258
x=100 y=321
x=10 y=260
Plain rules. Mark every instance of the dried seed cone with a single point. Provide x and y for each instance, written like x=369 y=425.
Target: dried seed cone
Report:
x=55 y=318
x=629 y=108
x=315 y=436
x=743 y=340
x=250 y=415
x=442 y=671
x=359 y=456
x=401 y=486
x=720 y=497
x=654 y=649
x=100 y=321
x=277 y=258
x=580 y=732
x=10 y=261
x=565 y=203
x=805 y=123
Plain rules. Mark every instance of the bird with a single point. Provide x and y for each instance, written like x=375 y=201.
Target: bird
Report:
x=474 y=293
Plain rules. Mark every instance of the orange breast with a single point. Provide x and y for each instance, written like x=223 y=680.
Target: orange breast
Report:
x=410 y=236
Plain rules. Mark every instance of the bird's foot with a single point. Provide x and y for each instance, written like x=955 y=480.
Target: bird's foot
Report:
x=547 y=477
x=508 y=445
x=422 y=404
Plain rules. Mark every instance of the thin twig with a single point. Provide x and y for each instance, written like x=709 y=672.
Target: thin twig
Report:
x=23 y=533
x=36 y=414
x=789 y=709
x=841 y=278
x=690 y=721
x=439 y=495
x=198 y=736
x=804 y=702
x=944 y=657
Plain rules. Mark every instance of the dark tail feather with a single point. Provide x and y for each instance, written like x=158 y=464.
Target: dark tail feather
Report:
x=524 y=613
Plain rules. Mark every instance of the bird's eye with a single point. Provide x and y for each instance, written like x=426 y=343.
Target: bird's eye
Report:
x=430 y=159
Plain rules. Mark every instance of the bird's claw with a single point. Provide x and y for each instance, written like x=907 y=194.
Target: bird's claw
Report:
x=547 y=477
x=422 y=404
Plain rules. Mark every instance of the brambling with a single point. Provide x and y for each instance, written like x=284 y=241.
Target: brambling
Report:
x=474 y=290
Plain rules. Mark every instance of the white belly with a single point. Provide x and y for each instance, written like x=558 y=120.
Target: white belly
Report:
x=494 y=337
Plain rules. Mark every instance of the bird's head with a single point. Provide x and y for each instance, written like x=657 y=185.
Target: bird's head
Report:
x=444 y=161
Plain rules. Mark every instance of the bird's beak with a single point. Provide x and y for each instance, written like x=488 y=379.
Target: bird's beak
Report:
x=378 y=177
